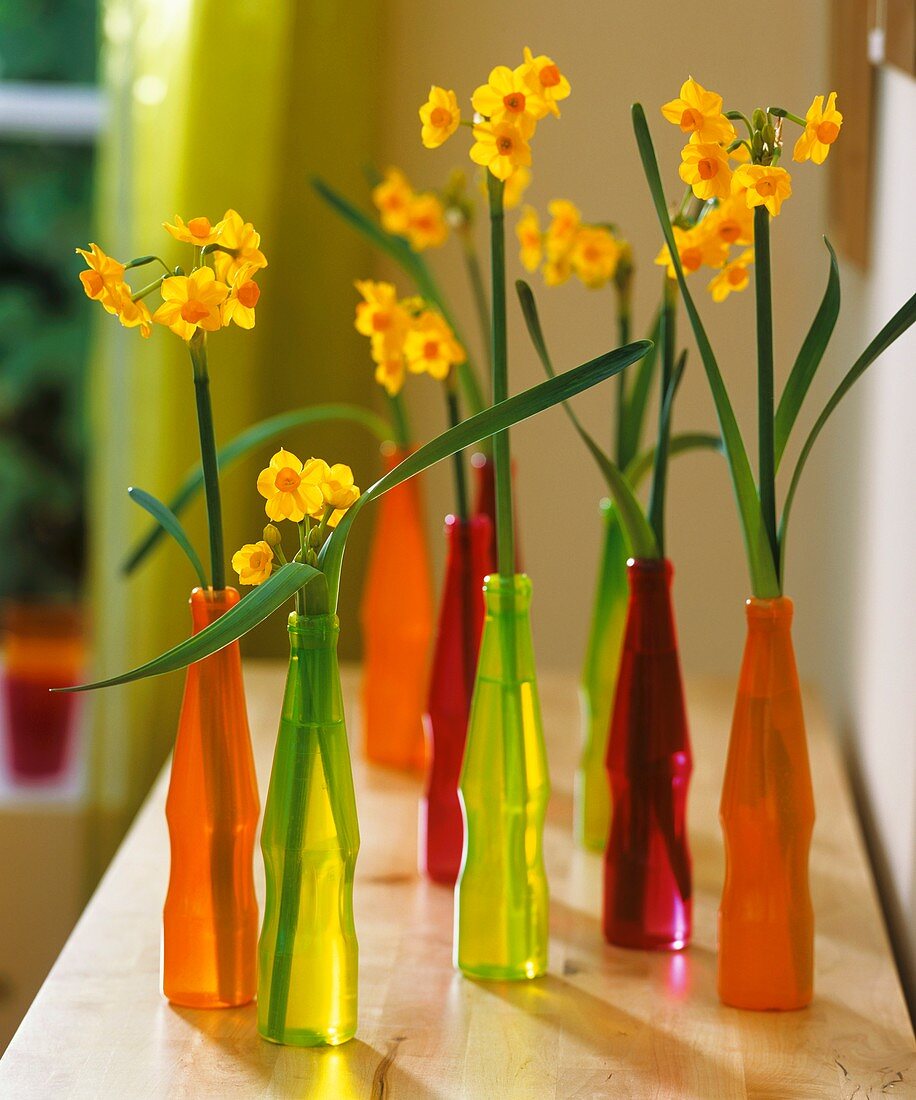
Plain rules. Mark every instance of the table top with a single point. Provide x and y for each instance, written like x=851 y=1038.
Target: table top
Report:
x=604 y=1022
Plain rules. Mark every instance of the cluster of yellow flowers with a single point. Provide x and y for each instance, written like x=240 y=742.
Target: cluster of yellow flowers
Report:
x=570 y=246
x=304 y=493
x=208 y=298
x=405 y=335
x=507 y=110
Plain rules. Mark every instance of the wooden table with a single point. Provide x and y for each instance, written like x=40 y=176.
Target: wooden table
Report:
x=605 y=1022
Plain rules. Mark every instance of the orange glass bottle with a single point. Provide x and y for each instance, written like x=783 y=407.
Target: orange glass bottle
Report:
x=210 y=920
x=766 y=923
x=397 y=620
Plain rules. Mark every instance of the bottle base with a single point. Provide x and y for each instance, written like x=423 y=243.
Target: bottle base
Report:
x=766 y=1004
x=483 y=972
x=303 y=1037
x=637 y=942
x=205 y=1000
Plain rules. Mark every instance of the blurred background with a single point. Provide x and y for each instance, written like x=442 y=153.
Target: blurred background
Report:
x=116 y=116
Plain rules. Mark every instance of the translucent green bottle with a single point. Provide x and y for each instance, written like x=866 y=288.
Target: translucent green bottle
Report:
x=592 y=800
x=501 y=900
x=307 y=953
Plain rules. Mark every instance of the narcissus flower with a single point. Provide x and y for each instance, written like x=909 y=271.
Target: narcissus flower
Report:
x=289 y=491
x=426 y=225
x=244 y=241
x=528 y=231
x=594 y=255
x=732 y=221
x=516 y=185
x=431 y=346
x=545 y=79
x=503 y=146
x=104 y=275
x=705 y=167
x=253 y=563
x=440 y=116
x=383 y=319
x=338 y=488
x=699 y=113
x=734 y=276
x=243 y=297
x=557 y=271
x=131 y=314
x=821 y=131
x=564 y=224
x=198 y=231
x=391 y=373
x=508 y=96
x=191 y=302
x=762 y=185
x=392 y=198
x=695 y=247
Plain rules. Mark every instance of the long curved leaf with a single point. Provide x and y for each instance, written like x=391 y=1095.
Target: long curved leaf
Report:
x=169 y=523
x=246 y=442
x=896 y=326
x=809 y=359
x=764 y=578
x=641 y=465
x=495 y=419
x=247 y=613
x=639 y=534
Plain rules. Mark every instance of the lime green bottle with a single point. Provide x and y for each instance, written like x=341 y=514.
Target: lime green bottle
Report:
x=307 y=953
x=501 y=900
x=592 y=797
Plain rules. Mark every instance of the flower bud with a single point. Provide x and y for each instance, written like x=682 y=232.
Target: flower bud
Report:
x=769 y=136
x=315 y=537
x=272 y=536
x=760 y=119
x=756 y=147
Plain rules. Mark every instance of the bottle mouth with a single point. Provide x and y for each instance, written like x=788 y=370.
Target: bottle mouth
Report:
x=214 y=599
x=496 y=586
x=649 y=571
x=778 y=609
x=317 y=629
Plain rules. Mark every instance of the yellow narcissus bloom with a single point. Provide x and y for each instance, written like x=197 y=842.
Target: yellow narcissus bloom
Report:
x=290 y=491
x=392 y=198
x=191 y=302
x=762 y=185
x=821 y=131
x=516 y=185
x=734 y=276
x=740 y=154
x=564 y=224
x=383 y=319
x=699 y=113
x=594 y=255
x=705 y=167
x=545 y=79
x=426 y=225
x=245 y=242
x=732 y=221
x=253 y=563
x=338 y=489
x=431 y=346
x=391 y=373
x=695 y=247
x=528 y=231
x=503 y=146
x=131 y=314
x=508 y=97
x=198 y=231
x=243 y=297
x=103 y=276
x=557 y=271
x=440 y=116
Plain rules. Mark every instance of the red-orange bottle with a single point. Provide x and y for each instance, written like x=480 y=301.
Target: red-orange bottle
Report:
x=766 y=923
x=210 y=920
x=397 y=620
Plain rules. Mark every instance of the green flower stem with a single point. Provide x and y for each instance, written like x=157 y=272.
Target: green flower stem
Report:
x=668 y=337
x=454 y=419
x=505 y=536
x=781 y=112
x=765 y=401
x=623 y=338
x=475 y=277
x=197 y=346
x=399 y=421
x=148 y=289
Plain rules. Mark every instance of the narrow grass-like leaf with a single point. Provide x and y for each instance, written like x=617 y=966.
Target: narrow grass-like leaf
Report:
x=660 y=470
x=634 y=417
x=896 y=326
x=495 y=419
x=764 y=580
x=171 y=525
x=247 y=613
x=642 y=464
x=247 y=441
x=809 y=359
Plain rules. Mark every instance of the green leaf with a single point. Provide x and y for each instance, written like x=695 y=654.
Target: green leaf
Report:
x=247 y=613
x=760 y=557
x=809 y=359
x=896 y=326
x=634 y=416
x=642 y=464
x=660 y=472
x=170 y=524
x=495 y=419
x=246 y=442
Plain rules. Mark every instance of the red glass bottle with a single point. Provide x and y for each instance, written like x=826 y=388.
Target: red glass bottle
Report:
x=485 y=503
x=647 y=874
x=451 y=687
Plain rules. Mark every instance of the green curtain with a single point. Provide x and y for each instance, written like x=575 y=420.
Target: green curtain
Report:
x=215 y=104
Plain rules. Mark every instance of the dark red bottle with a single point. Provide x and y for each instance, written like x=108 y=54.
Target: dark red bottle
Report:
x=451 y=686
x=485 y=502
x=647 y=875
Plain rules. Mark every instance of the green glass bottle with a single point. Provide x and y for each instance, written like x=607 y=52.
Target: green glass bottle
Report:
x=307 y=953
x=592 y=799
x=501 y=900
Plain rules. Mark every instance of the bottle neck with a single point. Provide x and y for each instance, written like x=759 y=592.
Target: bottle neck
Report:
x=208 y=604
x=769 y=616
x=313 y=632
x=650 y=620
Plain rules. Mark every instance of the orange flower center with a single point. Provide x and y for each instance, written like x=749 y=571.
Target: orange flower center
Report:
x=550 y=76
x=380 y=321
x=423 y=221
x=736 y=275
x=691 y=258
x=93 y=282
x=766 y=187
x=199 y=227
x=591 y=253
x=256 y=561
x=729 y=231
x=514 y=102
x=395 y=201
x=441 y=117
x=431 y=349
x=827 y=132
x=194 y=311
x=691 y=119
x=504 y=145
x=707 y=168
x=248 y=294
x=287 y=480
